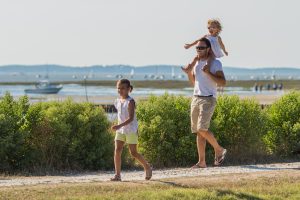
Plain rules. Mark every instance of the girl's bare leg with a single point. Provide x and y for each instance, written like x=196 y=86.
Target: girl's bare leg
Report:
x=117 y=157
x=211 y=58
x=138 y=156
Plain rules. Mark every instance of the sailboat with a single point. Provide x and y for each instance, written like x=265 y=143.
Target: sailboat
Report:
x=173 y=73
x=132 y=73
x=44 y=87
x=91 y=74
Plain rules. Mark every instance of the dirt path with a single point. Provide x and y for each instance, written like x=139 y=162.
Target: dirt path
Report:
x=139 y=175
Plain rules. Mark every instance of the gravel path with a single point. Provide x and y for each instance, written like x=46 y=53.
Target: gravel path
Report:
x=139 y=175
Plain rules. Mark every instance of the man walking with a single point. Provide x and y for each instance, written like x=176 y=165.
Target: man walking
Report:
x=205 y=82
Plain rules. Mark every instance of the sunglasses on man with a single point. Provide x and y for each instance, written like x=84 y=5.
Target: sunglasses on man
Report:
x=201 y=47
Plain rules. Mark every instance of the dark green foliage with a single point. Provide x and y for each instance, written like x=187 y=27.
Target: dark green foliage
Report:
x=239 y=126
x=12 y=137
x=68 y=135
x=165 y=138
x=283 y=135
x=53 y=135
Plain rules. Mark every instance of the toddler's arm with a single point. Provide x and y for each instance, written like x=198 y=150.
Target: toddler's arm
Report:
x=187 y=46
x=222 y=46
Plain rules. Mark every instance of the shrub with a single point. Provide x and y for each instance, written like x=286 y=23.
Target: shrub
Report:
x=53 y=135
x=283 y=135
x=12 y=137
x=239 y=126
x=165 y=138
x=68 y=135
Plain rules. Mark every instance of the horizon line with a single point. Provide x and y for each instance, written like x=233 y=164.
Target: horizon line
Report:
x=137 y=66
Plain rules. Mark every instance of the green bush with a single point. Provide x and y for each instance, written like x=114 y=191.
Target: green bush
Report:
x=53 y=136
x=165 y=138
x=68 y=135
x=283 y=135
x=12 y=137
x=239 y=126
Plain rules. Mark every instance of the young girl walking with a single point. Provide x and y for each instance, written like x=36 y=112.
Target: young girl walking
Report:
x=127 y=130
x=217 y=46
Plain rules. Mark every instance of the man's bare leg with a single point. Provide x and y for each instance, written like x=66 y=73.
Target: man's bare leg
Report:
x=201 y=144
x=212 y=140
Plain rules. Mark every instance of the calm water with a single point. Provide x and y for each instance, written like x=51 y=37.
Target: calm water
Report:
x=102 y=91
x=21 y=74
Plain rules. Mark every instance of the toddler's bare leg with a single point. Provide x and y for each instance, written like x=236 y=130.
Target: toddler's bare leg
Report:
x=210 y=59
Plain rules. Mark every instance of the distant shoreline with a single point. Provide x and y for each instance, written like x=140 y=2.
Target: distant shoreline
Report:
x=168 y=84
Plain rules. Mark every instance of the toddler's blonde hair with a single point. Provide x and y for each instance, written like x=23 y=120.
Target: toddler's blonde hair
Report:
x=215 y=22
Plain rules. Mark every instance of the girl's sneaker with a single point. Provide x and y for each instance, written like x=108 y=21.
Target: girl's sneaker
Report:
x=116 y=178
x=148 y=173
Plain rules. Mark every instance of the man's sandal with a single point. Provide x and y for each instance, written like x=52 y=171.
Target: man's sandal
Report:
x=220 y=159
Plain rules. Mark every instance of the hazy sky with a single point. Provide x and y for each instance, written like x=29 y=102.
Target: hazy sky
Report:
x=257 y=33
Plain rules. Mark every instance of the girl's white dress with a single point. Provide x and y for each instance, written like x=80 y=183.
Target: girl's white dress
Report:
x=123 y=114
x=215 y=46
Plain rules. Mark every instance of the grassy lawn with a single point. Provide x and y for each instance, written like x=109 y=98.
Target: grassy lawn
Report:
x=271 y=185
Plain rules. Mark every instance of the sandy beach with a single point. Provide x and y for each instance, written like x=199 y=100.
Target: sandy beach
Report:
x=262 y=98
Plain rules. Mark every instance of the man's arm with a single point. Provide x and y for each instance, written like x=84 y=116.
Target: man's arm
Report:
x=191 y=77
x=219 y=77
x=222 y=45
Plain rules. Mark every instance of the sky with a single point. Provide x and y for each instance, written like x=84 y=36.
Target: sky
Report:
x=256 y=33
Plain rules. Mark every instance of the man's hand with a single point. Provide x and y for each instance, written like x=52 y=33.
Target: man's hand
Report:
x=115 y=127
x=205 y=69
x=218 y=77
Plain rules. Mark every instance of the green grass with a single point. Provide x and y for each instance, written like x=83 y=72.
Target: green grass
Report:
x=284 y=186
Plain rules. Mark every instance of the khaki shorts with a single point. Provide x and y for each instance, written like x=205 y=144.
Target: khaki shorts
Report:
x=129 y=138
x=202 y=109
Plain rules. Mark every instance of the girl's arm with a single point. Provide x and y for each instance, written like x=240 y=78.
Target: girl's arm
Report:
x=187 y=46
x=131 y=108
x=222 y=45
